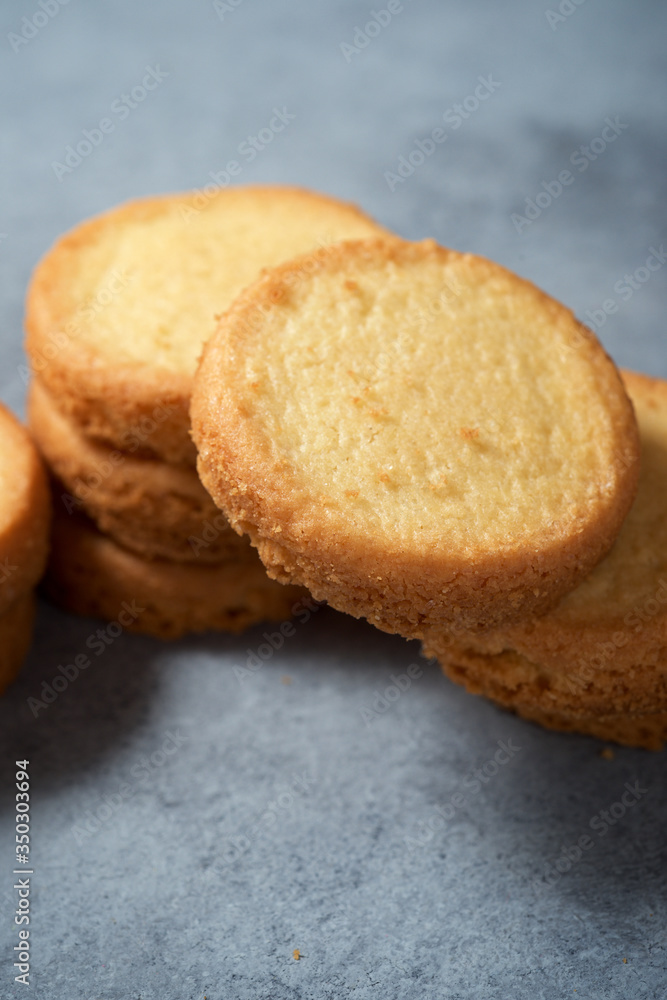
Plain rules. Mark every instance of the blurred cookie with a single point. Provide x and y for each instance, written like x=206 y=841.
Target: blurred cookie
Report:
x=24 y=511
x=90 y=574
x=118 y=310
x=603 y=651
x=648 y=731
x=15 y=637
x=149 y=506
x=418 y=436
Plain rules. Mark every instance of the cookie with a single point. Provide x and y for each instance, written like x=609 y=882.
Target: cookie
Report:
x=154 y=508
x=418 y=436
x=603 y=651
x=90 y=574
x=24 y=511
x=15 y=637
x=118 y=310
x=647 y=731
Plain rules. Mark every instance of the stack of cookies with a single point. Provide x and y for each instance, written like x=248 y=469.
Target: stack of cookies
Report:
x=597 y=663
x=117 y=313
x=424 y=439
x=417 y=436
x=25 y=510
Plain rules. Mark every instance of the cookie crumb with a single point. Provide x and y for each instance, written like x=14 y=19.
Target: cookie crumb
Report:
x=296 y=954
x=607 y=753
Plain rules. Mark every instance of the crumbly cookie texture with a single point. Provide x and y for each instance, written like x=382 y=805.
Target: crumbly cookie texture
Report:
x=149 y=506
x=602 y=653
x=418 y=436
x=15 y=637
x=90 y=574
x=646 y=731
x=118 y=310
x=25 y=510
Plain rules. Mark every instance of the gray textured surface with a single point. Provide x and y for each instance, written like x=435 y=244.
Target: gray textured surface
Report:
x=285 y=818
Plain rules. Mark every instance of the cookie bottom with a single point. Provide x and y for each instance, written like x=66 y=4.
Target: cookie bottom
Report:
x=15 y=637
x=646 y=729
x=149 y=506
x=90 y=574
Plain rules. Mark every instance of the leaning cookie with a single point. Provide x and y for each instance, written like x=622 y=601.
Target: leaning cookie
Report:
x=15 y=637
x=603 y=651
x=119 y=308
x=25 y=509
x=418 y=436
x=153 y=508
x=91 y=575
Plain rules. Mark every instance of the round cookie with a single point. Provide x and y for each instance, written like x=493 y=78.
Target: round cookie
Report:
x=25 y=508
x=418 y=436
x=155 y=509
x=90 y=574
x=118 y=310
x=15 y=637
x=603 y=650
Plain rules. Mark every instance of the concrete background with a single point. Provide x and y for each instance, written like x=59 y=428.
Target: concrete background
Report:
x=235 y=817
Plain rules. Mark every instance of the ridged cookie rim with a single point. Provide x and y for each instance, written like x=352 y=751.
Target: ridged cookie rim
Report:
x=176 y=598
x=635 y=677
x=154 y=508
x=241 y=476
x=107 y=408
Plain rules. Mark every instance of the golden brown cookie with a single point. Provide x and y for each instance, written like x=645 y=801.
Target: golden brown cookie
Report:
x=91 y=575
x=15 y=637
x=603 y=651
x=154 y=508
x=25 y=509
x=647 y=731
x=418 y=436
x=119 y=308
